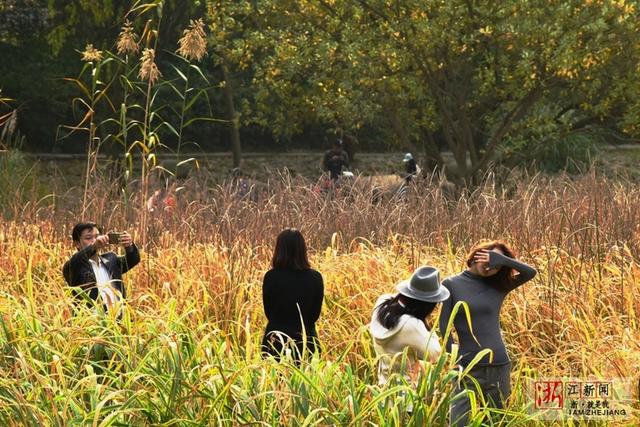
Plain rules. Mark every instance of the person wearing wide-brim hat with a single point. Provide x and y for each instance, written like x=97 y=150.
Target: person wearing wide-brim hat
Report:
x=399 y=323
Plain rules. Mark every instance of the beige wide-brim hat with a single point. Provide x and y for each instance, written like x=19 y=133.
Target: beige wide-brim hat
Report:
x=424 y=285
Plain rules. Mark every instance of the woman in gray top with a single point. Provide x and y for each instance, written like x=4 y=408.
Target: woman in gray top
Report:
x=492 y=272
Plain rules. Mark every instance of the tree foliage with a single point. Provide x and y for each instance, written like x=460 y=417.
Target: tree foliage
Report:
x=491 y=79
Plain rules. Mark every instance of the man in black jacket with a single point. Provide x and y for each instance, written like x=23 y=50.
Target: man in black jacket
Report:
x=99 y=275
x=335 y=159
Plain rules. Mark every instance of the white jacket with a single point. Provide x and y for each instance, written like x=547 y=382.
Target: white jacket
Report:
x=411 y=333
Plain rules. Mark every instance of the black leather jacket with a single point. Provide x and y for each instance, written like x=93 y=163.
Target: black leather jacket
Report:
x=78 y=273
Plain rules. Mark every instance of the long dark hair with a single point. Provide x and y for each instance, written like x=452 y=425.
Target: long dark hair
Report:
x=389 y=312
x=290 y=251
x=505 y=276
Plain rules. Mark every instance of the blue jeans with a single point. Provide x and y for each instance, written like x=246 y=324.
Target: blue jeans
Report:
x=495 y=383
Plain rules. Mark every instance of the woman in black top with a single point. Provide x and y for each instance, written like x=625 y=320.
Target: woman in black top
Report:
x=292 y=294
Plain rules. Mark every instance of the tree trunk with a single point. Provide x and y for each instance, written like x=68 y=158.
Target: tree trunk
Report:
x=232 y=116
x=432 y=156
x=397 y=124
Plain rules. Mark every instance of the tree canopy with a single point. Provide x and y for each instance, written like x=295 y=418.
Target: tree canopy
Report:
x=491 y=82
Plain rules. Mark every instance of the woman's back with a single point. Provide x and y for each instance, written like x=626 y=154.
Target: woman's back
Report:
x=290 y=295
x=410 y=333
x=398 y=323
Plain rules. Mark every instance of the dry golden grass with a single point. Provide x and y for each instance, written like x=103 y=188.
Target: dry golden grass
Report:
x=200 y=281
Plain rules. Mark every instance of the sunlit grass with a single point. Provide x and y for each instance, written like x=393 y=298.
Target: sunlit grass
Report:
x=187 y=353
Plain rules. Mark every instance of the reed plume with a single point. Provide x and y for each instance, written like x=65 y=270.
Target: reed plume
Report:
x=127 y=40
x=148 y=69
x=193 y=44
x=91 y=54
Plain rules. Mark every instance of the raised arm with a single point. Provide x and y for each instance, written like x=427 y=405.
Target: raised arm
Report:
x=131 y=255
x=130 y=259
x=525 y=271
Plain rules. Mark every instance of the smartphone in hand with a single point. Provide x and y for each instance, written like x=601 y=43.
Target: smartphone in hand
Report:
x=114 y=237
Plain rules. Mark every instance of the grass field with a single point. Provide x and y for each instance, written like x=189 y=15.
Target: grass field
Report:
x=187 y=351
